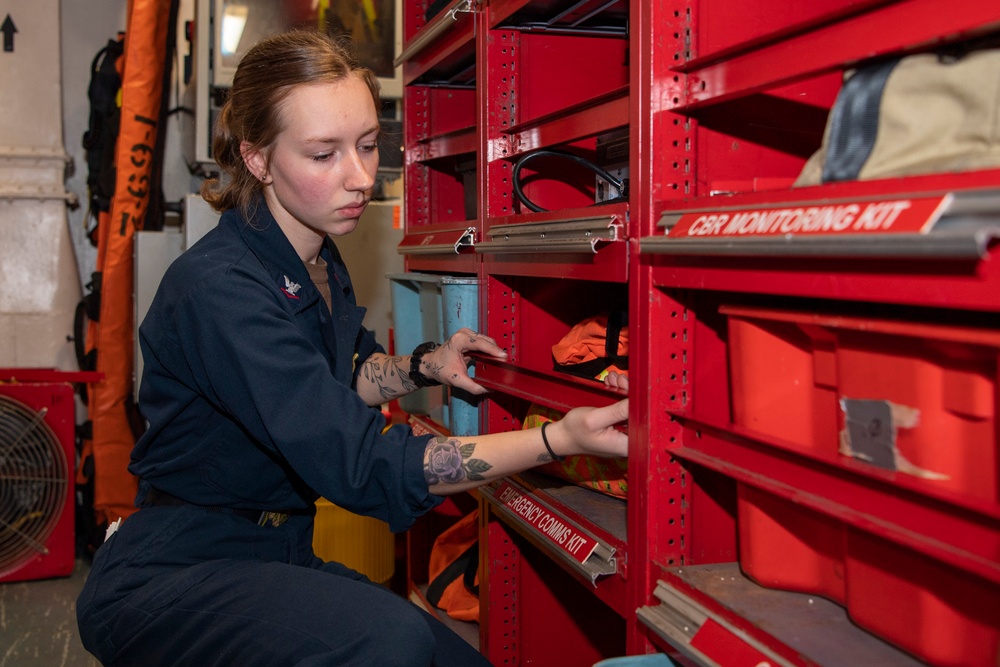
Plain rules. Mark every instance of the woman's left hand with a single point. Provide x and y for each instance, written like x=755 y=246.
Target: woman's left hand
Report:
x=449 y=362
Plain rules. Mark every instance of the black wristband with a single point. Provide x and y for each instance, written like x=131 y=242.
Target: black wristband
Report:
x=545 y=441
x=416 y=376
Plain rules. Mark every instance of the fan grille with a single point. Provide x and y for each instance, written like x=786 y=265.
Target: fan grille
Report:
x=33 y=483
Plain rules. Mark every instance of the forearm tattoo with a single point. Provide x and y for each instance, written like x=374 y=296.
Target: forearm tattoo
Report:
x=447 y=461
x=384 y=377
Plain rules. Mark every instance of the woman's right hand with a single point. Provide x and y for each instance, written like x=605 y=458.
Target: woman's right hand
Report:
x=590 y=431
x=457 y=463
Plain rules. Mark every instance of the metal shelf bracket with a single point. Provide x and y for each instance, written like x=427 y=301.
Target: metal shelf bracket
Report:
x=426 y=246
x=559 y=535
x=576 y=235
x=959 y=225
x=434 y=29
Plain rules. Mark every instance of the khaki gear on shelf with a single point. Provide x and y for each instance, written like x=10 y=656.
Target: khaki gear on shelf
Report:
x=920 y=114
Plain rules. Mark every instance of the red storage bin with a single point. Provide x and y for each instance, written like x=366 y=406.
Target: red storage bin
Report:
x=783 y=545
x=791 y=372
x=936 y=612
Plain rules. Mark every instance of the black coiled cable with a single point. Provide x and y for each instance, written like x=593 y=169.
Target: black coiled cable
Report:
x=620 y=185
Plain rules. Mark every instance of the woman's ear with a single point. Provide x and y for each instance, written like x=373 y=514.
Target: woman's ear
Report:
x=254 y=159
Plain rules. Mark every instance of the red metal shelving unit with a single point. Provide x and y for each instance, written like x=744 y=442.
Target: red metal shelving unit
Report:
x=735 y=101
x=548 y=75
x=440 y=127
x=550 y=80
x=724 y=101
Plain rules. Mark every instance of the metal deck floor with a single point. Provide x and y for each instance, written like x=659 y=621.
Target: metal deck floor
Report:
x=38 y=622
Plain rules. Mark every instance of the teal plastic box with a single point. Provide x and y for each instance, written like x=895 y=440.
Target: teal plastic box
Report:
x=425 y=307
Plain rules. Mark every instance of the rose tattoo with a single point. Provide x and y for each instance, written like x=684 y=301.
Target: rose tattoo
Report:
x=448 y=462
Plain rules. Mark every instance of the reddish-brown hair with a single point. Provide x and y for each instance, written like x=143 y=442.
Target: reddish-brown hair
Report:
x=251 y=113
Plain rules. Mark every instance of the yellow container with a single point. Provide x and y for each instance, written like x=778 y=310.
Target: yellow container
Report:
x=359 y=542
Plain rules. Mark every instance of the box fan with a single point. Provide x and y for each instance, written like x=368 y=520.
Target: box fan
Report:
x=37 y=457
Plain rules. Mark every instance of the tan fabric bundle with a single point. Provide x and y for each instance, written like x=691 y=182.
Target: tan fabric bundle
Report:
x=925 y=113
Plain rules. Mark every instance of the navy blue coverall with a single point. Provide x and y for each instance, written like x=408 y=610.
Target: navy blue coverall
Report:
x=248 y=389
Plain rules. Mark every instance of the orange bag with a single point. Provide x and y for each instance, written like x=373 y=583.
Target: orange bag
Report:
x=453 y=570
x=605 y=475
x=594 y=346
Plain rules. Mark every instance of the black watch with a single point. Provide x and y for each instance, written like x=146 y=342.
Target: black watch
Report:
x=419 y=378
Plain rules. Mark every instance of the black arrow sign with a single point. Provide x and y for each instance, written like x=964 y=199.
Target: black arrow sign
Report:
x=8 y=29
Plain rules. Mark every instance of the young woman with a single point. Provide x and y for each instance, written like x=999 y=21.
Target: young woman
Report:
x=261 y=389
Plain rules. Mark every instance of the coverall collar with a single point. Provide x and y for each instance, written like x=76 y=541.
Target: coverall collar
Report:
x=268 y=242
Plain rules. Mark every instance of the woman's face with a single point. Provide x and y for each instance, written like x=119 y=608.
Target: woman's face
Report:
x=323 y=162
